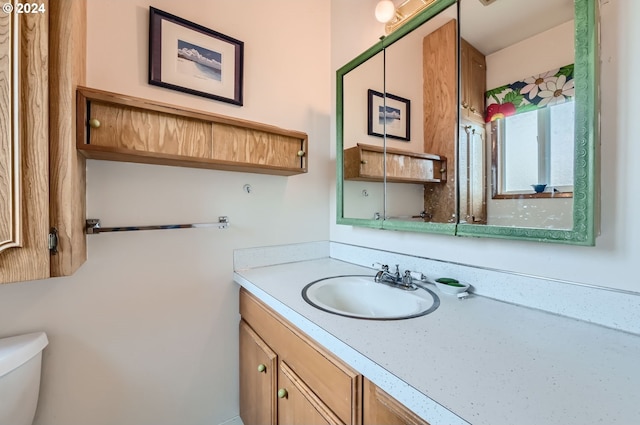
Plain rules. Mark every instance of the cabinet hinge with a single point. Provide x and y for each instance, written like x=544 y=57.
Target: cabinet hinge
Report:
x=53 y=241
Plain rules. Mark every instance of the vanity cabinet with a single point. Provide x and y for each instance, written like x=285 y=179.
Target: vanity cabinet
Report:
x=379 y=408
x=42 y=179
x=286 y=378
x=473 y=83
x=367 y=163
x=300 y=383
x=124 y=128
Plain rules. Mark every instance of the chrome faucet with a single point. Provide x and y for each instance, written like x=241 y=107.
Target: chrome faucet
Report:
x=395 y=279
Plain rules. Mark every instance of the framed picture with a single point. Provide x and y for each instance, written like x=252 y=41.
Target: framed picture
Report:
x=190 y=58
x=392 y=115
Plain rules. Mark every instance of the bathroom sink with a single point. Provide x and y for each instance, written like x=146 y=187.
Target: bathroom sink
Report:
x=360 y=297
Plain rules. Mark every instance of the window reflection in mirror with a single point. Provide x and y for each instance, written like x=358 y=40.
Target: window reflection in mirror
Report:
x=535 y=148
x=503 y=156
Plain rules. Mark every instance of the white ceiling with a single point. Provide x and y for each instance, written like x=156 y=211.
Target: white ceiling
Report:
x=505 y=22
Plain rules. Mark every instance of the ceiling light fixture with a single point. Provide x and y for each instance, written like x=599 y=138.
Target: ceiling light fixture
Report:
x=385 y=11
x=393 y=17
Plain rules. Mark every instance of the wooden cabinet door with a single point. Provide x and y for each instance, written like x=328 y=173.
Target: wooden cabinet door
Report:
x=472 y=171
x=258 y=375
x=252 y=146
x=135 y=129
x=298 y=404
x=382 y=409
x=477 y=75
x=24 y=154
x=474 y=76
x=42 y=179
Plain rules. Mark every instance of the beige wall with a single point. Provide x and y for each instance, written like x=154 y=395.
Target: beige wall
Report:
x=612 y=263
x=145 y=333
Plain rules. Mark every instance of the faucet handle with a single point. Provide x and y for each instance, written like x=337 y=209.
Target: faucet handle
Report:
x=407 y=279
x=382 y=266
x=416 y=275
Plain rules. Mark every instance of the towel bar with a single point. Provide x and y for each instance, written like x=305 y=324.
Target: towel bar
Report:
x=93 y=226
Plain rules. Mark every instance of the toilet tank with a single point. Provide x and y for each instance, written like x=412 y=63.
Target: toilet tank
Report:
x=20 y=361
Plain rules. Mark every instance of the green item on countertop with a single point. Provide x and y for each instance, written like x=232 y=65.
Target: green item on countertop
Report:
x=449 y=281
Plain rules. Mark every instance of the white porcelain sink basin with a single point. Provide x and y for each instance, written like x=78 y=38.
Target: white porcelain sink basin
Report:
x=360 y=297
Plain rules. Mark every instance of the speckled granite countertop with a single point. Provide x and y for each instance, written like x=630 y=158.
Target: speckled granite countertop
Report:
x=475 y=361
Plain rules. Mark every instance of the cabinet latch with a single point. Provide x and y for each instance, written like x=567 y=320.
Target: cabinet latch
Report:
x=53 y=241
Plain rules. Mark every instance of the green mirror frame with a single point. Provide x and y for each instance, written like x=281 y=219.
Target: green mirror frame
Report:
x=586 y=141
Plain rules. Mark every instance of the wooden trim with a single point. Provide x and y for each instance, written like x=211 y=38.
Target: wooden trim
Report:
x=374 y=148
x=137 y=102
x=544 y=195
x=67 y=199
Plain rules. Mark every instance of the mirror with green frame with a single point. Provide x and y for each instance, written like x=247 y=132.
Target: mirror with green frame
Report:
x=392 y=171
x=527 y=120
x=429 y=143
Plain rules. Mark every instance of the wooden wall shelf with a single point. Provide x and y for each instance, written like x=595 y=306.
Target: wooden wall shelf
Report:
x=118 y=127
x=365 y=163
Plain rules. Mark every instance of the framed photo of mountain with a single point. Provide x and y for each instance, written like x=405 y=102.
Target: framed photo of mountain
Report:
x=190 y=58
x=388 y=116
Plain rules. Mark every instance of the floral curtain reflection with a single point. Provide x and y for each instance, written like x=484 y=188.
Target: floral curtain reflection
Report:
x=549 y=88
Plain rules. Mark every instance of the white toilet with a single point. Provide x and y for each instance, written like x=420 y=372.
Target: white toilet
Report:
x=20 y=361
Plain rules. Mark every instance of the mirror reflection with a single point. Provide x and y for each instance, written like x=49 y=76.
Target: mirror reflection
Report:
x=363 y=186
x=399 y=128
x=495 y=144
x=421 y=67
x=516 y=138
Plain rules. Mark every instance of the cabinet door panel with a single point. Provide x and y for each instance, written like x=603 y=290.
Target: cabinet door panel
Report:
x=382 y=409
x=10 y=164
x=473 y=82
x=299 y=405
x=24 y=167
x=247 y=145
x=258 y=375
x=147 y=131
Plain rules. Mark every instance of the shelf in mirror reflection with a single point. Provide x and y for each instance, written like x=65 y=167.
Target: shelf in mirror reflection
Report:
x=397 y=65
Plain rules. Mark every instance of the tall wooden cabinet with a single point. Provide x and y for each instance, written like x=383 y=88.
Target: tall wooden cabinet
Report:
x=441 y=117
x=41 y=179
